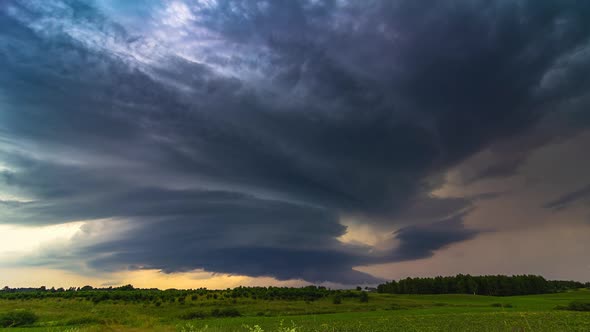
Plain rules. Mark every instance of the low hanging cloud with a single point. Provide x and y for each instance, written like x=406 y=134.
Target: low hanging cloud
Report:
x=421 y=241
x=232 y=136
x=569 y=198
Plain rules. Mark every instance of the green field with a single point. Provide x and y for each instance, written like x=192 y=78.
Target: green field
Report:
x=383 y=312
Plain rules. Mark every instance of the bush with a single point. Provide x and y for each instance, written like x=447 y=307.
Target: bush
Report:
x=193 y=315
x=17 y=318
x=225 y=312
x=364 y=297
x=578 y=306
x=337 y=299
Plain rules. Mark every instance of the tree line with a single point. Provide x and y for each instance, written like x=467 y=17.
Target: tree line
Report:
x=128 y=293
x=493 y=285
x=496 y=285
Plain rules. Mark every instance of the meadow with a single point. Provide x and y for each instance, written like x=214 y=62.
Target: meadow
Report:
x=380 y=313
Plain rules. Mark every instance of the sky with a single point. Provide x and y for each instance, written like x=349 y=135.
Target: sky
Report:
x=218 y=143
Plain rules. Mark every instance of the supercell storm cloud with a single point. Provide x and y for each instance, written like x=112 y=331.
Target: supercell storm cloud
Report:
x=250 y=137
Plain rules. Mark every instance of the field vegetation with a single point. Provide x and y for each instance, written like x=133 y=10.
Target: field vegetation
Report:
x=272 y=309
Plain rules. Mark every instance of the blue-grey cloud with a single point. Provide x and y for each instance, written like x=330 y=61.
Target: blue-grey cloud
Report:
x=233 y=136
x=568 y=199
x=416 y=242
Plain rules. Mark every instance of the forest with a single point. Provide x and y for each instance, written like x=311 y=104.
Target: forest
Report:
x=491 y=285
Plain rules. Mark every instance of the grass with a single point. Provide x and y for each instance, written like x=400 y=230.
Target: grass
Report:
x=382 y=312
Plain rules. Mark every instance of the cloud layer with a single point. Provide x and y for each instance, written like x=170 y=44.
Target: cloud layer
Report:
x=233 y=136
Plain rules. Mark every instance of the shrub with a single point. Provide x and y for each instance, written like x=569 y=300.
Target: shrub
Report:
x=193 y=315
x=17 y=318
x=337 y=299
x=364 y=297
x=225 y=312
x=578 y=306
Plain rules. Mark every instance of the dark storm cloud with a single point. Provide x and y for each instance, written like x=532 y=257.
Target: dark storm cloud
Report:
x=240 y=154
x=568 y=199
x=421 y=241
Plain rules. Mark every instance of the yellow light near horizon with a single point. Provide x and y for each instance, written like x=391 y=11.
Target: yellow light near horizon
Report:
x=24 y=239
x=18 y=242
x=50 y=277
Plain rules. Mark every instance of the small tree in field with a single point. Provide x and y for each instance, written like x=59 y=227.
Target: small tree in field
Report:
x=364 y=297
x=337 y=299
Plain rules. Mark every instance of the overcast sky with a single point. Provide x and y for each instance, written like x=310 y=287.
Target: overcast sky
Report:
x=171 y=143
